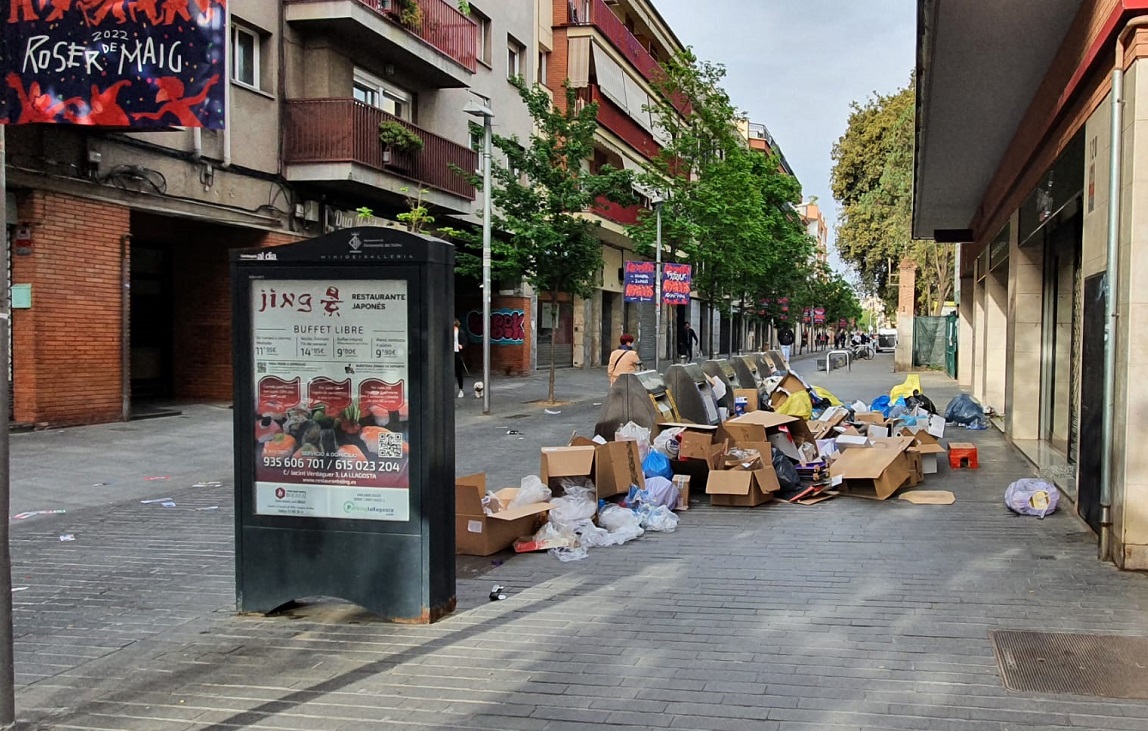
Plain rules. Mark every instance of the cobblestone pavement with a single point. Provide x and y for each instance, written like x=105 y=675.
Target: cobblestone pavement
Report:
x=850 y=614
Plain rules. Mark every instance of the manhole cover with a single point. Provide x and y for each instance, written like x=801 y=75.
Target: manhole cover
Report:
x=1109 y=666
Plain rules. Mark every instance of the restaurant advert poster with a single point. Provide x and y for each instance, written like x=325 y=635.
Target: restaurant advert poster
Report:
x=331 y=398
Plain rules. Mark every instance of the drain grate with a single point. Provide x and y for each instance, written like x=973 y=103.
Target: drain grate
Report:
x=1109 y=666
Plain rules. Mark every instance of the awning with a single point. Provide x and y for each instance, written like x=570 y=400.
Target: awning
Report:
x=610 y=77
x=636 y=102
x=578 y=62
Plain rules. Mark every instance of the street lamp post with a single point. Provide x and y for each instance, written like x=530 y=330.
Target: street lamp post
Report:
x=487 y=117
x=658 y=286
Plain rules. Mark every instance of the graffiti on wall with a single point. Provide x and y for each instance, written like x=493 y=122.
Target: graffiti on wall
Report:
x=507 y=326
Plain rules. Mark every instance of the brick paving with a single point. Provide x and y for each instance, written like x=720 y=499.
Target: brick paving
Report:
x=850 y=614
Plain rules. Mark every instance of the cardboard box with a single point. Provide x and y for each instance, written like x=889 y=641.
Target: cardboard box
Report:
x=764 y=454
x=849 y=441
x=742 y=488
x=789 y=384
x=701 y=447
x=875 y=472
x=682 y=482
x=925 y=444
x=916 y=475
x=786 y=433
x=479 y=534
x=751 y=398
x=616 y=466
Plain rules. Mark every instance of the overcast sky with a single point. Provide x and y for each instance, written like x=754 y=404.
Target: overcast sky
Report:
x=795 y=65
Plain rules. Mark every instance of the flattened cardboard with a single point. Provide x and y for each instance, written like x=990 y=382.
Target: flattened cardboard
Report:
x=617 y=465
x=929 y=497
x=916 y=473
x=876 y=472
x=479 y=534
x=742 y=488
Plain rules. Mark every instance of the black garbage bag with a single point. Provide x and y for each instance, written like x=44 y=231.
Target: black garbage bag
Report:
x=787 y=477
x=965 y=410
x=920 y=399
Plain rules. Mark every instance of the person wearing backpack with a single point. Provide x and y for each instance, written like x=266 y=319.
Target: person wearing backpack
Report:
x=785 y=340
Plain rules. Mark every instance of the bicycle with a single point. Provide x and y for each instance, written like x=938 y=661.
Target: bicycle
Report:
x=863 y=351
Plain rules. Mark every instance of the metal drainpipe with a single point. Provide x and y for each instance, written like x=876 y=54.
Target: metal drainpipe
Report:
x=1112 y=268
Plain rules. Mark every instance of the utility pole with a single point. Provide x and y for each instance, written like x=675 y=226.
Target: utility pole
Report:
x=7 y=665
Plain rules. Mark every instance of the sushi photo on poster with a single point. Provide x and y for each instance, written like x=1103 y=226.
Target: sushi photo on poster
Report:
x=332 y=413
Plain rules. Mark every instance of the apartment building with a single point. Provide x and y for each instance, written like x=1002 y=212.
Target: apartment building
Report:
x=1029 y=127
x=610 y=53
x=816 y=227
x=122 y=238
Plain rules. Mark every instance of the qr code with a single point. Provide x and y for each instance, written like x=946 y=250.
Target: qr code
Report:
x=390 y=445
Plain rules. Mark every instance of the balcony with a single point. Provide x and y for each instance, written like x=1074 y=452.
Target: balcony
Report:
x=336 y=141
x=625 y=215
x=619 y=36
x=440 y=49
x=619 y=122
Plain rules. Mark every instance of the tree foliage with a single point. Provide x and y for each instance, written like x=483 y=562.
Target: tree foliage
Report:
x=727 y=209
x=872 y=182
x=540 y=188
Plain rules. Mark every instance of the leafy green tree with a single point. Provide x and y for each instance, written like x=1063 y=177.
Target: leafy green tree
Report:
x=539 y=194
x=872 y=181
x=727 y=208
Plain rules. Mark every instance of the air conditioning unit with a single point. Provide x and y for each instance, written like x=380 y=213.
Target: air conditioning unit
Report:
x=308 y=211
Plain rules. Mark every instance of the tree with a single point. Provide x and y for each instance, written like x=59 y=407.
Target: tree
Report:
x=727 y=208
x=538 y=196
x=872 y=180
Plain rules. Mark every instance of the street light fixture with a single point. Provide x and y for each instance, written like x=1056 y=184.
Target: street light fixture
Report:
x=487 y=115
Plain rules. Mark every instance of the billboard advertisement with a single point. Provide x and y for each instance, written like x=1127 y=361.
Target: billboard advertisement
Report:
x=676 y=283
x=639 y=281
x=137 y=64
x=331 y=399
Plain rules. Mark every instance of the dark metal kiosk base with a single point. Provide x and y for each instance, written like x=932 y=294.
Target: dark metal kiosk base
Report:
x=344 y=423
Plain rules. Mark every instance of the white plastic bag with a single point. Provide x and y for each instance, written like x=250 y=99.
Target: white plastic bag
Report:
x=622 y=523
x=631 y=432
x=660 y=491
x=578 y=504
x=575 y=553
x=531 y=490
x=659 y=520
x=667 y=442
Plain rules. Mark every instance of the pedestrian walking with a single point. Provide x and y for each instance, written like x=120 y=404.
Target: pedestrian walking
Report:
x=459 y=344
x=785 y=340
x=624 y=359
x=687 y=342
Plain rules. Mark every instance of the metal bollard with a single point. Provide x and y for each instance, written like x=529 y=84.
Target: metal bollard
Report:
x=829 y=360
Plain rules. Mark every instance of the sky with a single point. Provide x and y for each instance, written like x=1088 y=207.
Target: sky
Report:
x=795 y=65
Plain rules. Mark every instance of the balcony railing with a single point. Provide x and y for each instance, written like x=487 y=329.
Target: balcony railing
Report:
x=620 y=37
x=626 y=215
x=619 y=122
x=347 y=130
x=440 y=25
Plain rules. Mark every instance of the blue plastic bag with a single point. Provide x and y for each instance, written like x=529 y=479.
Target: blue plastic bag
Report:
x=657 y=464
x=881 y=403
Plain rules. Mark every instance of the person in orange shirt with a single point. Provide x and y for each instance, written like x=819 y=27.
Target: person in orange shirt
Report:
x=623 y=360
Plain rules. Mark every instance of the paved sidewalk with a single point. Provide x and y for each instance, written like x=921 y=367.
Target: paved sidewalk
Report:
x=851 y=614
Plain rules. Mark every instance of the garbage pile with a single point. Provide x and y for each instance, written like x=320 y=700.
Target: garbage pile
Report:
x=788 y=440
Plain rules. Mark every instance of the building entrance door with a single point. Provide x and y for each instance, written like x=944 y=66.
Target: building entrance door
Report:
x=151 y=328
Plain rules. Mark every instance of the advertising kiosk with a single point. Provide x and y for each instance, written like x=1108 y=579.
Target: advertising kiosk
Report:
x=344 y=423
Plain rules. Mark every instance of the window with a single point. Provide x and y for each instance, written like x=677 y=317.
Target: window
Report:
x=514 y=53
x=543 y=65
x=245 y=56
x=371 y=90
x=482 y=36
